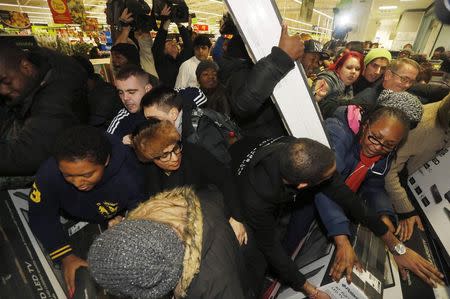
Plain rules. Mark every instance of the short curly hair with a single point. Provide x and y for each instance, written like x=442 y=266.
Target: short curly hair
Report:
x=82 y=143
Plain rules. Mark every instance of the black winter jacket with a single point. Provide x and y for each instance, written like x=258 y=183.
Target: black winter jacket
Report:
x=57 y=102
x=199 y=169
x=222 y=271
x=165 y=65
x=264 y=194
x=249 y=89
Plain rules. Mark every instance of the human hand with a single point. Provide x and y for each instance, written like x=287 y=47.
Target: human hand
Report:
x=115 y=220
x=127 y=139
x=70 y=264
x=166 y=11
x=388 y=223
x=313 y=292
x=419 y=266
x=344 y=259
x=126 y=17
x=239 y=231
x=292 y=45
x=321 y=89
x=406 y=227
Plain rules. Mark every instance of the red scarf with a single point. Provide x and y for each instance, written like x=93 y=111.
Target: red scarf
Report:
x=355 y=179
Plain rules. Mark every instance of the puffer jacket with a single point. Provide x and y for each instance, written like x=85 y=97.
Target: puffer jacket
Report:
x=347 y=148
x=338 y=93
x=58 y=101
x=249 y=89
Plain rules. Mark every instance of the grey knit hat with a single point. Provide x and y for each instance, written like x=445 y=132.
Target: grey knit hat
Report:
x=137 y=258
x=404 y=101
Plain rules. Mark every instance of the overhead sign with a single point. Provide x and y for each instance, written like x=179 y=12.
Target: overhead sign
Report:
x=200 y=27
x=60 y=11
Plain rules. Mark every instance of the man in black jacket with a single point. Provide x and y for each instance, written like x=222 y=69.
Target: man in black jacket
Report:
x=168 y=57
x=250 y=86
x=276 y=173
x=44 y=92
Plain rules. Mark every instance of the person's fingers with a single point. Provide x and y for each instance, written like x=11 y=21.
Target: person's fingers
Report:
x=431 y=275
x=403 y=273
x=420 y=273
x=348 y=271
x=409 y=231
x=245 y=238
x=70 y=280
x=403 y=233
x=434 y=273
x=284 y=29
x=399 y=228
x=337 y=273
x=419 y=223
x=358 y=266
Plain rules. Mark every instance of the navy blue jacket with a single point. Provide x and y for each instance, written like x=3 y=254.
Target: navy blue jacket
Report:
x=347 y=148
x=116 y=192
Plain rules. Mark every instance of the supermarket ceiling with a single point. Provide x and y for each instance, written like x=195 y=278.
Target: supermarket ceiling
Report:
x=210 y=11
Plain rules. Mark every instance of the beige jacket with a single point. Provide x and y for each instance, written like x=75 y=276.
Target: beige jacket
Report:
x=431 y=135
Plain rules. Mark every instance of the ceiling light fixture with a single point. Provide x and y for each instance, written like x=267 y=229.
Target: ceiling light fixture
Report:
x=206 y=13
x=315 y=10
x=388 y=7
x=24 y=6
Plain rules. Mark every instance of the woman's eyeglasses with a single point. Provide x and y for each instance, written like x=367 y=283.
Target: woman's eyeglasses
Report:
x=375 y=141
x=168 y=155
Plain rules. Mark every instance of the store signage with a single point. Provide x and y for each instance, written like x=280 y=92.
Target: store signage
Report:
x=15 y=19
x=60 y=11
x=77 y=12
x=201 y=27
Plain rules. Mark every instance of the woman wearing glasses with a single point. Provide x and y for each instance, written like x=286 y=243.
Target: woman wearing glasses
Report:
x=176 y=164
x=363 y=159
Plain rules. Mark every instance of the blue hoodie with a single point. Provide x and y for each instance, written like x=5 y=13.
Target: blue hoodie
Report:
x=117 y=191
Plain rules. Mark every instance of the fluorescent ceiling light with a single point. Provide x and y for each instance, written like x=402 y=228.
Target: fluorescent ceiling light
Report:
x=407 y=0
x=206 y=13
x=38 y=13
x=388 y=7
x=315 y=10
x=93 y=5
x=24 y=6
x=216 y=1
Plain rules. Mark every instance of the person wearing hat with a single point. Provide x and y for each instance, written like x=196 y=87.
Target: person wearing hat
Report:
x=186 y=75
x=311 y=58
x=206 y=74
x=375 y=64
x=177 y=244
